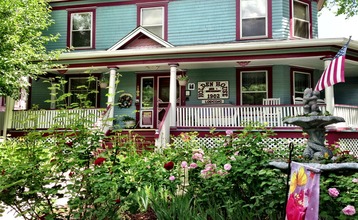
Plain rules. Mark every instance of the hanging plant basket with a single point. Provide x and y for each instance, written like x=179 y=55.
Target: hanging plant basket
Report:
x=103 y=85
x=125 y=100
x=183 y=82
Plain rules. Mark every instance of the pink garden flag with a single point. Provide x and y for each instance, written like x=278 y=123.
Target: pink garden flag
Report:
x=303 y=197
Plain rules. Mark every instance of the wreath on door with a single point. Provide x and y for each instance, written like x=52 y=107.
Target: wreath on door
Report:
x=125 y=100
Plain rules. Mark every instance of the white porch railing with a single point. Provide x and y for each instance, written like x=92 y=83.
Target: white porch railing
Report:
x=43 y=119
x=236 y=116
x=349 y=113
x=162 y=134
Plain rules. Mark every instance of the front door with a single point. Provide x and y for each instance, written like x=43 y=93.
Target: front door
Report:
x=154 y=98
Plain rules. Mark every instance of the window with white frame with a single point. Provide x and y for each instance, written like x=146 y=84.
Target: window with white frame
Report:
x=253 y=18
x=81 y=30
x=301 y=19
x=83 y=90
x=153 y=20
x=253 y=87
x=301 y=81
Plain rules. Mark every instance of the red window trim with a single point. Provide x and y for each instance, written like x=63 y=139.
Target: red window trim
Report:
x=93 y=31
x=269 y=22
x=152 y=5
x=308 y=2
x=298 y=69
x=268 y=69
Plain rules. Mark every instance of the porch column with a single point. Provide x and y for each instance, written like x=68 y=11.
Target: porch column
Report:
x=329 y=91
x=173 y=93
x=53 y=95
x=10 y=102
x=111 y=91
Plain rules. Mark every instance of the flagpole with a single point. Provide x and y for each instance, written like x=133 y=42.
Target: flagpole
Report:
x=290 y=147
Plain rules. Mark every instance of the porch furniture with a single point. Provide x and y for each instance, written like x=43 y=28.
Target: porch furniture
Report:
x=271 y=101
x=270 y=114
x=297 y=100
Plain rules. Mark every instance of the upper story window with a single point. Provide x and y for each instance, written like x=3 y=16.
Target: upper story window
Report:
x=154 y=17
x=254 y=15
x=301 y=19
x=81 y=32
x=153 y=20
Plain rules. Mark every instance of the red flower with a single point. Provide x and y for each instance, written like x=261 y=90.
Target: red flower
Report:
x=99 y=161
x=71 y=174
x=118 y=201
x=169 y=165
x=295 y=209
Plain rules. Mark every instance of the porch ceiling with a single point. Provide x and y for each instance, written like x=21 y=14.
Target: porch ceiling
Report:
x=299 y=53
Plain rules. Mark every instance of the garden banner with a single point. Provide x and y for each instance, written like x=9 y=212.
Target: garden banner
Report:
x=303 y=197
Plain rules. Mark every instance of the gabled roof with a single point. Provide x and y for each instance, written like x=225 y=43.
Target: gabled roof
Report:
x=139 y=38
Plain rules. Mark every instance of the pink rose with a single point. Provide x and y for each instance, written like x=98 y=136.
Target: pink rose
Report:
x=198 y=156
x=184 y=164
x=193 y=165
x=229 y=132
x=227 y=167
x=355 y=180
x=172 y=178
x=333 y=192
x=349 y=210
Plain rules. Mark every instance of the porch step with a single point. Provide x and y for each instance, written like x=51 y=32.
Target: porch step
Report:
x=143 y=138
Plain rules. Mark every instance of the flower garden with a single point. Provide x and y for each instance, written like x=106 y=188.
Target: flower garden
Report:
x=78 y=173
x=112 y=180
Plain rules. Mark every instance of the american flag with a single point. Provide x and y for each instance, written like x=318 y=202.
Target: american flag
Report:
x=334 y=73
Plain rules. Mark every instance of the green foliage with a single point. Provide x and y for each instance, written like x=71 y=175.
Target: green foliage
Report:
x=346 y=184
x=349 y=8
x=22 y=47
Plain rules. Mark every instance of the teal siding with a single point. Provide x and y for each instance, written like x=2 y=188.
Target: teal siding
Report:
x=314 y=20
x=127 y=84
x=201 y=21
x=189 y=22
x=60 y=26
x=39 y=94
x=280 y=19
x=113 y=23
x=281 y=82
x=219 y=74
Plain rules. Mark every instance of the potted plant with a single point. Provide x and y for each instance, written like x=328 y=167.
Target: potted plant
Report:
x=129 y=122
x=182 y=79
x=103 y=82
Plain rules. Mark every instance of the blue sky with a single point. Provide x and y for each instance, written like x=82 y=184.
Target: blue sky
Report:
x=331 y=26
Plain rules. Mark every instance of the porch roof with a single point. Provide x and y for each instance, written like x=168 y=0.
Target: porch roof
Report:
x=302 y=53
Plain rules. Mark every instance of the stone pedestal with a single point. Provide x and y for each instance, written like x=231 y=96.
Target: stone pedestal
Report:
x=314 y=126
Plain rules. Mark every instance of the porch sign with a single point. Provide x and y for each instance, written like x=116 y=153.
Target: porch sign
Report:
x=213 y=91
x=303 y=198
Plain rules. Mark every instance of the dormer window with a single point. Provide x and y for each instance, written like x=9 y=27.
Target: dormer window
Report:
x=81 y=33
x=154 y=17
x=153 y=20
x=301 y=19
x=253 y=19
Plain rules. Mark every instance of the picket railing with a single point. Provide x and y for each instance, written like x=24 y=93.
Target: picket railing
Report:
x=43 y=119
x=349 y=113
x=237 y=116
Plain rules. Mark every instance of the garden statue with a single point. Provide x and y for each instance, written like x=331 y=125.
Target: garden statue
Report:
x=310 y=105
x=314 y=123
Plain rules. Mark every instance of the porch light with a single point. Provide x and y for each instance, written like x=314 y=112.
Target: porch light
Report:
x=243 y=63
